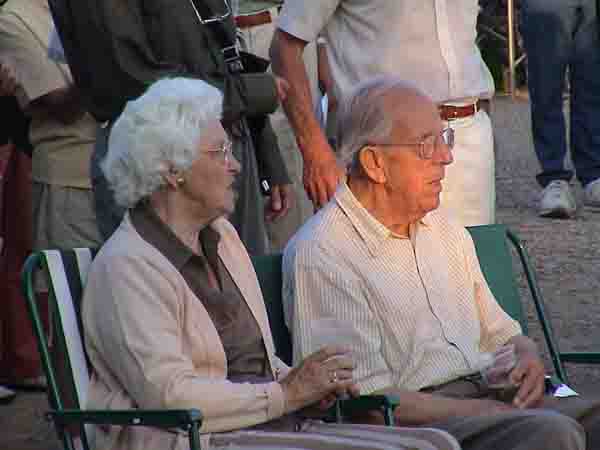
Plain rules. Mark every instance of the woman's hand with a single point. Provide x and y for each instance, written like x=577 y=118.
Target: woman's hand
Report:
x=8 y=80
x=318 y=378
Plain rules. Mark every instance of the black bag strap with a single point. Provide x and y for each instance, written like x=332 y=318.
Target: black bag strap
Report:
x=217 y=25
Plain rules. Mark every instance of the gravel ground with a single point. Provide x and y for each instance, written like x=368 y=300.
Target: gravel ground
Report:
x=565 y=253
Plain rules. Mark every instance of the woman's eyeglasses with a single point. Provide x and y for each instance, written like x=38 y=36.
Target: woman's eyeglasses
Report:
x=223 y=152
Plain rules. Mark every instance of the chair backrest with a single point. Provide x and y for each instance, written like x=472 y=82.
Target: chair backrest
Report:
x=66 y=366
x=66 y=270
x=496 y=264
x=268 y=271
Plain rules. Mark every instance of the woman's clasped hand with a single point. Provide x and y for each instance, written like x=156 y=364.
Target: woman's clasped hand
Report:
x=321 y=377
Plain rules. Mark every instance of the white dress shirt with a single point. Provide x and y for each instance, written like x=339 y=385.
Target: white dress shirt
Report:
x=430 y=43
x=420 y=305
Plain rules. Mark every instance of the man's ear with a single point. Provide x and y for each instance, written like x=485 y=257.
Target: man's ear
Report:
x=372 y=164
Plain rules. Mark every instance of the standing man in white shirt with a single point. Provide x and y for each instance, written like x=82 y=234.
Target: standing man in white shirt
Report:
x=429 y=43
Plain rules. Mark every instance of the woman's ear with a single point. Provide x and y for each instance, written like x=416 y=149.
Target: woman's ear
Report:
x=372 y=164
x=174 y=178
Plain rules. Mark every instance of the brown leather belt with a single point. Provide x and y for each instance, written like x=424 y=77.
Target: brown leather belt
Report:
x=451 y=112
x=253 y=20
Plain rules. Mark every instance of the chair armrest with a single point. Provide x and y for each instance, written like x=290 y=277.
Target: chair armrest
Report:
x=355 y=406
x=170 y=418
x=580 y=357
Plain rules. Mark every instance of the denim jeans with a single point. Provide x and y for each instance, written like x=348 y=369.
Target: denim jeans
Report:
x=561 y=34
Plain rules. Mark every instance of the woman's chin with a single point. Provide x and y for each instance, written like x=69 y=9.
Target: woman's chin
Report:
x=229 y=204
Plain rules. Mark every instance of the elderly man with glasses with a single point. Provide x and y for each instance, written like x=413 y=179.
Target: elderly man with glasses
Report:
x=429 y=43
x=384 y=265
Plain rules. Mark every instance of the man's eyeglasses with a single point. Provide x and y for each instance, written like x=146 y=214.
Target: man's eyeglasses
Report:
x=426 y=148
x=223 y=152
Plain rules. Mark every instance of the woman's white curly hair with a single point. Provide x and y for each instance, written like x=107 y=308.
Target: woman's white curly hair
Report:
x=156 y=132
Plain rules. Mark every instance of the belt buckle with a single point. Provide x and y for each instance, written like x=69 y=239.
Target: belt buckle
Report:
x=453 y=114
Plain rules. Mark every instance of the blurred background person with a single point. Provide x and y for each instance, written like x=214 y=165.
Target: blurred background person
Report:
x=116 y=48
x=430 y=44
x=19 y=359
x=61 y=133
x=256 y=22
x=562 y=36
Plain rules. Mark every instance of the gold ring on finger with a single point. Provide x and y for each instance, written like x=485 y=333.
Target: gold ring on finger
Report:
x=334 y=377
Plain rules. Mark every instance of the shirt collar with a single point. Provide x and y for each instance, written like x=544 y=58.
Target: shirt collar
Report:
x=154 y=231
x=371 y=231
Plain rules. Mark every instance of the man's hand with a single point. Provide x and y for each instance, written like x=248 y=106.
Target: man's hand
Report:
x=321 y=172
x=280 y=202
x=529 y=374
x=282 y=88
x=322 y=175
x=8 y=80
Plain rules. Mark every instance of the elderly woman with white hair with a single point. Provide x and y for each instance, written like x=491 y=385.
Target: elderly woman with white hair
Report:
x=173 y=313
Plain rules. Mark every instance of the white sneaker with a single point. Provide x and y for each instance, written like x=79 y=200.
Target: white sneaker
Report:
x=557 y=200
x=591 y=194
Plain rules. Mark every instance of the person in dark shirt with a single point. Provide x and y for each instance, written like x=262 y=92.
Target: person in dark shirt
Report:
x=14 y=126
x=115 y=49
x=19 y=361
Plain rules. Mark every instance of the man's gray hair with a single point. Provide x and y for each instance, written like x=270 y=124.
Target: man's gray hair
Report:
x=367 y=117
x=157 y=132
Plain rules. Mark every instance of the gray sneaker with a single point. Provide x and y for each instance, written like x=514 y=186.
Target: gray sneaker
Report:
x=557 y=200
x=591 y=194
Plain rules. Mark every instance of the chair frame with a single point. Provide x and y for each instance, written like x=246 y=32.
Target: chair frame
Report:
x=64 y=419
x=557 y=357
x=191 y=420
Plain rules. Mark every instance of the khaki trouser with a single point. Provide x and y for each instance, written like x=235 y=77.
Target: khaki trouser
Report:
x=320 y=436
x=560 y=423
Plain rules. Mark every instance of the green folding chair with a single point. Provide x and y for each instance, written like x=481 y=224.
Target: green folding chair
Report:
x=495 y=258
x=67 y=272
x=268 y=271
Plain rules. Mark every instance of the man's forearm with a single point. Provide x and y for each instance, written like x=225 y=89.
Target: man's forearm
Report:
x=419 y=408
x=287 y=61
